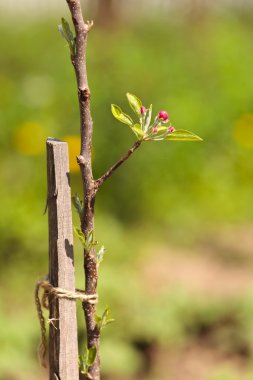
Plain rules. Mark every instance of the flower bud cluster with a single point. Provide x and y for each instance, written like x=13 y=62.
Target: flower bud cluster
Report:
x=156 y=130
x=147 y=130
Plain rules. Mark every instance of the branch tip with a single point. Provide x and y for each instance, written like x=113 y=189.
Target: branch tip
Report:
x=80 y=160
x=89 y=24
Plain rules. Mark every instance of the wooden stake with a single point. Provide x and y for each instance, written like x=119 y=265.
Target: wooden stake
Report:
x=63 y=346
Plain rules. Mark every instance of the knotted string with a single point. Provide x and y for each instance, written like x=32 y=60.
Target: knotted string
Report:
x=43 y=302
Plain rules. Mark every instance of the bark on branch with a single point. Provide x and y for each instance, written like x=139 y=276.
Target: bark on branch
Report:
x=110 y=171
x=90 y=187
x=78 y=60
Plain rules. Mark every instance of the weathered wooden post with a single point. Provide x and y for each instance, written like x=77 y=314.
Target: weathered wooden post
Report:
x=63 y=345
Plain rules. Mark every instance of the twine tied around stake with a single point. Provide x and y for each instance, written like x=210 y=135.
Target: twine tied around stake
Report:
x=43 y=302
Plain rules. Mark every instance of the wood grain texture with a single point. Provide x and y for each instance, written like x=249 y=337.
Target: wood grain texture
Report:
x=63 y=344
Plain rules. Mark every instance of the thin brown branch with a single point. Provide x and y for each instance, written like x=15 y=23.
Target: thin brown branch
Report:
x=79 y=63
x=110 y=171
x=86 y=129
x=90 y=187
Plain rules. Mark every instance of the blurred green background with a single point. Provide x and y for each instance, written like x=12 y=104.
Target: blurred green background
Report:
x=176 y=219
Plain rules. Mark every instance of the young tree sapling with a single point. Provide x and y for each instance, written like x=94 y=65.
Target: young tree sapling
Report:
x=145 y=129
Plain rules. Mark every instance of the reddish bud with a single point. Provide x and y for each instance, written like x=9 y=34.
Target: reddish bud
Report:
x=163 y=115
x=143 y=110
x=171 y=129
x=155 y=130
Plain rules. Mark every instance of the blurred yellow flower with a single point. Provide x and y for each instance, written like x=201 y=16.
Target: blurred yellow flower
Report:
x=74 y=150
x=243 y=130
x=30 y=138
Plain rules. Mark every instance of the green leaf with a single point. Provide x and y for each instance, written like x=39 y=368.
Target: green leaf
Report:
x=160 y=135
x=89 y=239
x=105 y=319
x=162 y=129
x=137 y=130
x=100 y=254
x=182 y=135
x=121 y=116
x=82 y=364
x=78 y=204
x=134 y=103
x=148 y=118
x=86 y=361
x=91 y=356
x=80 y=235
x=67 y=34
x=98 y=320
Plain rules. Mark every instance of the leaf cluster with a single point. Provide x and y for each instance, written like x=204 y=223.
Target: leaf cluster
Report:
x=105 y=319
x=87 y=360
x=89 y=242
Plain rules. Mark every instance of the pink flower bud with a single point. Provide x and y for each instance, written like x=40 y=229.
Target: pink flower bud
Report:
x=143 y=110
x=171 y=129
x=163 y=115
x=155 y=130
